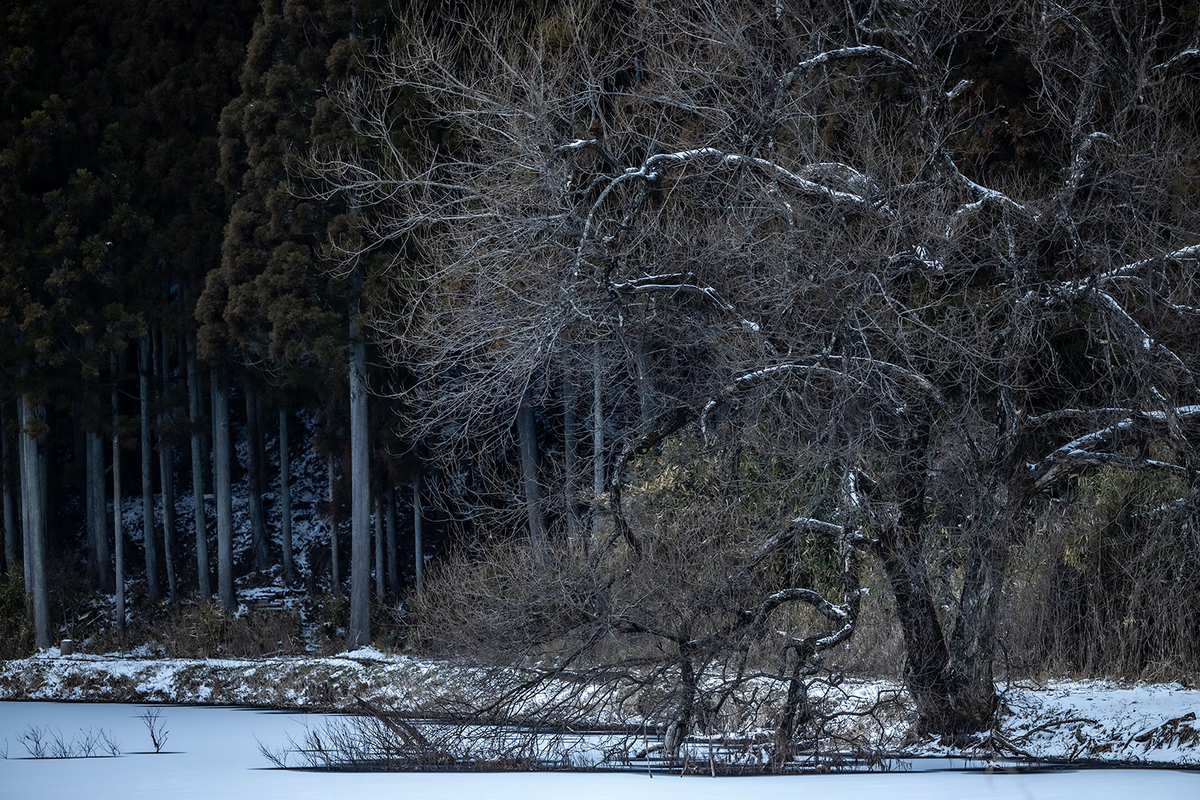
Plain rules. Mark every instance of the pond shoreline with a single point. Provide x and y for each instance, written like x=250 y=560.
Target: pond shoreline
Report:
x=1079 y=723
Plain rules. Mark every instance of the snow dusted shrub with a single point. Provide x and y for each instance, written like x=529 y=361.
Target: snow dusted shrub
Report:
x=704 y=620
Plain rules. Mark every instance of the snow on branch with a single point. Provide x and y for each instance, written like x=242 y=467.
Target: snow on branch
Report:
x=1191 y=52
x=1083 y=450
x=1105 y=301
x=1189 y=253
x=649 y=171
x=672 y=282
x=758 y=616
x=985 y=196
x=844 y=54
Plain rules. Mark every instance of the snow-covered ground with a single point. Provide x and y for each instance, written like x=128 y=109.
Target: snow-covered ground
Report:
x=1061 y=720
x=213 y=753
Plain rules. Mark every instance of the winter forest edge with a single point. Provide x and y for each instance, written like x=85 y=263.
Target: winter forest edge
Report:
x=680 y=361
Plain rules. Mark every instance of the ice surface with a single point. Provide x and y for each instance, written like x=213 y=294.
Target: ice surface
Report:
x=212 y=753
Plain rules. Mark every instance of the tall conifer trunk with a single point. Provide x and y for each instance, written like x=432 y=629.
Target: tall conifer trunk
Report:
x=285 y=500
x=527 y=436
x=147 y=471
x=597 y=435
x=418 y=535
x=379 y=565
x=10 y=517
x=335 y=573
x=199 y=521
x=92 y=514
x=22 y=482
x=360 y=502
x=96 y=502
x=393 y=562
x=571 y=456
x=254 y=481
x=118 y=530
x=166 y=474
x=35 y=532
x=224 y=487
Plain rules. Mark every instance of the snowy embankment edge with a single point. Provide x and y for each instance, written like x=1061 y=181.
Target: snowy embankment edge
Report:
x=1072 y=720
x=328 y=683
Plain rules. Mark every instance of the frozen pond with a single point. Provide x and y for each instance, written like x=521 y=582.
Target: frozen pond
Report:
x=213 y=752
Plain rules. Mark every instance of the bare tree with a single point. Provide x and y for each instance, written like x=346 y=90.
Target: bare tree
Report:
x=814 y=218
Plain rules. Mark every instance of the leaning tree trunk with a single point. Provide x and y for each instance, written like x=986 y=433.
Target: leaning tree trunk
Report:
x=35 y=531
x=224 y=487
x=258 y=527
x=360 y=489
x=147 y=471
x=527 y=436
x=199 y=521
x=285 y=500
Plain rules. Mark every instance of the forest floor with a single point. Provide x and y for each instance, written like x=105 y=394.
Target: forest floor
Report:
x=1085 y=721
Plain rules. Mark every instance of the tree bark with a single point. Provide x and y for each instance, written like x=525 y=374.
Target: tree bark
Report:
x=10 y=520
x=645 y=382
x=118 y=530
x=166 y=473
x=254 y=481
x=527 y=436
x=35 y=537
x=166 y=476
x=334 y=558
x=418 y=536
x=147 y=471
x=571 y=457
x=199 y=520
x=379 y=565
x=360 y=501
x=285 y=500
x=951 y=687
x=224 y=487
x=96 y=502
x=91 y=512
x=393 y=561
x=598 y=482
x=26 y=535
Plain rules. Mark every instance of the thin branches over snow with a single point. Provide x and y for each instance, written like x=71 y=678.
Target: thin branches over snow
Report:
x=949 y=246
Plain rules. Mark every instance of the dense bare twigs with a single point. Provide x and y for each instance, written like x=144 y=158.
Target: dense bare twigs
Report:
x=152 y=719
x=42 y=742
x=946 y=256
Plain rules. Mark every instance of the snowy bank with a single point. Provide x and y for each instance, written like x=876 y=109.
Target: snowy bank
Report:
x=1059 y=720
